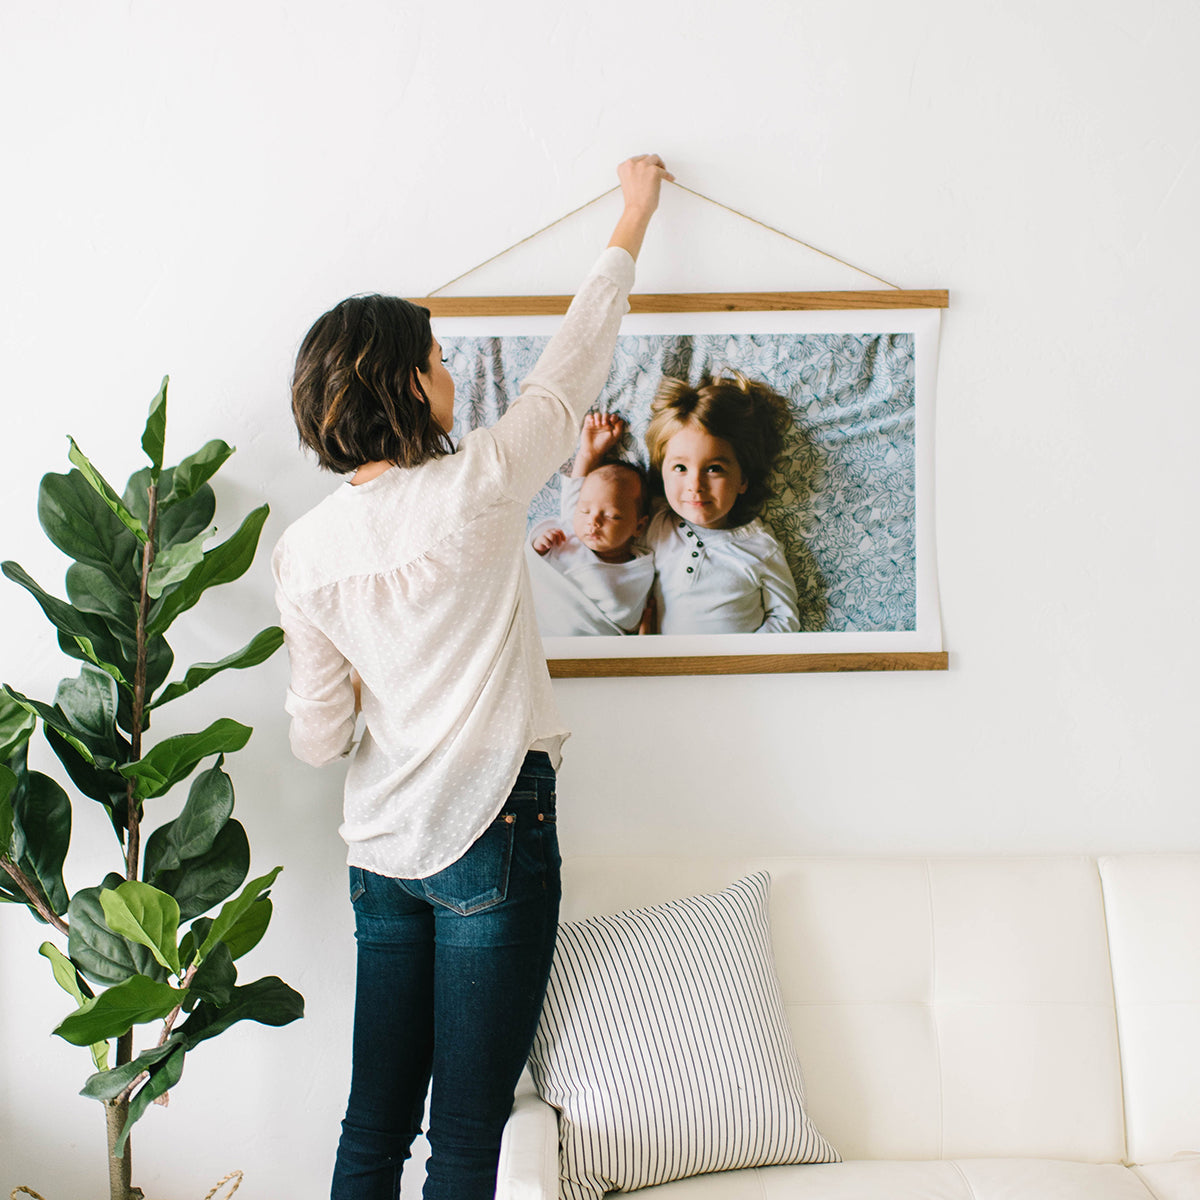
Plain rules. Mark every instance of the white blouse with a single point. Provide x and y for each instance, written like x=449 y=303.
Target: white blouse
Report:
x=417 y=579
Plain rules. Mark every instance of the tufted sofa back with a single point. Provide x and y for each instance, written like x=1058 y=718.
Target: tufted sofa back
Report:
x=964 y=1008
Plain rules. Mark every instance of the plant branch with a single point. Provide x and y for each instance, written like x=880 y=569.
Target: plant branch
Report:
x=168 y=1023
x=27 y=887
x=169 y=1020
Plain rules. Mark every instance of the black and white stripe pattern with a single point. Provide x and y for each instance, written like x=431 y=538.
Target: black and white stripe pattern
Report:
x=663 y=1043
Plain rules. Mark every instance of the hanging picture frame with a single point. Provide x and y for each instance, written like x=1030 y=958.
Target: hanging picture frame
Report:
x=852 y=502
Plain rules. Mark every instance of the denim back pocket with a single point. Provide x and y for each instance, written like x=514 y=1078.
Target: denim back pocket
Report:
x=478 y=880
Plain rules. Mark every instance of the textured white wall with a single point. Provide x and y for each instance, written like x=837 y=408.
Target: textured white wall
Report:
x=187 y=188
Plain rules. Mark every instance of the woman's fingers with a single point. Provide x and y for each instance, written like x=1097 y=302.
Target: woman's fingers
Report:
x=641 y=178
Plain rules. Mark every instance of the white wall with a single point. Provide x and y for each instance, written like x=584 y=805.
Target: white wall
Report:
x=188 y=187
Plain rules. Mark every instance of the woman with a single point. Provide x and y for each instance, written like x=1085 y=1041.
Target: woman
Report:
x=411 y=575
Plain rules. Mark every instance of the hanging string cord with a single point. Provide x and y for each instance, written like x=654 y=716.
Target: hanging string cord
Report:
x=790 y=238
x=537 y=233
x=702 y=196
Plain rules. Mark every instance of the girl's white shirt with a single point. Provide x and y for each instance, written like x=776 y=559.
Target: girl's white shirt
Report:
x=720 y=580
x=417 y=579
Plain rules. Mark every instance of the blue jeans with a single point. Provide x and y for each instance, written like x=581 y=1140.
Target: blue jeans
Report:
x=452 y=971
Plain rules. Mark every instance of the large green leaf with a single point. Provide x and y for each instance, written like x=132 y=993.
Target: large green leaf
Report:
x=54 y=719
x=154 y=436
x=164 y=1075
x=221 y=564
x=105 y=491
x=182 y=520
x=247 y=931
x=241 y=937
x=213 y=876
x=195 y=470
x=216 y=976
x=136 y=496
x=256 y=651
x=91 y=590
x=234 y=910
x=65 y=974
x=17 y=723
x=108 y=1085
x=98 y=752
x=176 y=563
x=84 y=528
x=73 y=984
x=8 y=785
x=81 y=634
x=117 y=1009
x=103 y=956
x=41 y=834
x=102 y=785
x=174 y=758
x=89 y=703
x=208 y=807
x=146 y=916
x=268 y=1001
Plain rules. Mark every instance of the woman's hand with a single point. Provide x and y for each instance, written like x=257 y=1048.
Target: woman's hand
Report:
x=641 y=180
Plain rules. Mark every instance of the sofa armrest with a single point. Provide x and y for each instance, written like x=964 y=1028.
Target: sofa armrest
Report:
x=529 y=1150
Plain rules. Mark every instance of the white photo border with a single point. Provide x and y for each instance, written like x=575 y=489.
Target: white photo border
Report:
x=920 y=648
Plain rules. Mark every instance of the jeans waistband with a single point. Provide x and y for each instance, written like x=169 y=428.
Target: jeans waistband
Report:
x=537 y=762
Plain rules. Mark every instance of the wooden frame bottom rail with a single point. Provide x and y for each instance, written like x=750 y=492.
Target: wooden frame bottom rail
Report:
x=748 y=664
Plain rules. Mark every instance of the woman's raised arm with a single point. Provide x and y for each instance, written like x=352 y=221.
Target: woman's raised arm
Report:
x=641 y=178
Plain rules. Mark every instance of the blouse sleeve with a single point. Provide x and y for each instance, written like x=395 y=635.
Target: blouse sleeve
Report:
x=569 y=499
x=320 y=696
x=540 y=428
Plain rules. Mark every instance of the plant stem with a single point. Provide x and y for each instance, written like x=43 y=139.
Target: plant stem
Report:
x=120 y=1170
x=26 y=885
x=133 y=847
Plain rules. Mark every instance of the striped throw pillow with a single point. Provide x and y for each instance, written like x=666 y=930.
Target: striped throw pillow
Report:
x=663 y=1043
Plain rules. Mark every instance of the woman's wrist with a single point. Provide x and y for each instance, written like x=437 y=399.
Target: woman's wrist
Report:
x=631 y=230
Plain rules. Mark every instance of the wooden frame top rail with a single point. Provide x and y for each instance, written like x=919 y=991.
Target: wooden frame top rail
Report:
x=691 y=302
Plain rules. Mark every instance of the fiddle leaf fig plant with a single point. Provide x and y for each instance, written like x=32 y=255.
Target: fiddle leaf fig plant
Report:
x=147 y=945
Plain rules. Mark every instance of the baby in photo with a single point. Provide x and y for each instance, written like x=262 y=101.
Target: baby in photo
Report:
x=606 y=504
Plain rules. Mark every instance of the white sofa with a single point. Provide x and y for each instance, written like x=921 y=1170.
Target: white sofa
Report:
x=968 y=1029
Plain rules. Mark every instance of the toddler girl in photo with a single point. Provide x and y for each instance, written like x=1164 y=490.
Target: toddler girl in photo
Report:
x=720 y=569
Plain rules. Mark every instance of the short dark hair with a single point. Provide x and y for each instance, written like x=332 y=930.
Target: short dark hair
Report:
x=355 y=394
x=612 y=465
x=744 y=412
